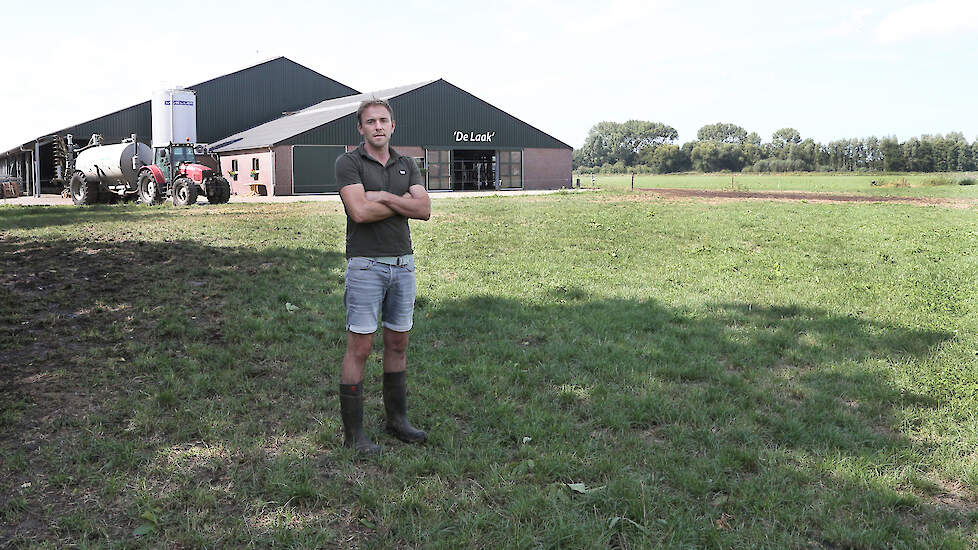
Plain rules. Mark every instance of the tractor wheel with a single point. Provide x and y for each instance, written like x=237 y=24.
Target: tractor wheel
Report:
x=82 y=190
x=149 y=190
x=184 y=192
x=218 y=190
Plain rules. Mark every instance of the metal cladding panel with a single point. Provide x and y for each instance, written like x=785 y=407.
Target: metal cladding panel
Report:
x=440 y=114
x=256 y=95
x=229 y=104
x=115 y=126
x=342 y=131
x=313 y=168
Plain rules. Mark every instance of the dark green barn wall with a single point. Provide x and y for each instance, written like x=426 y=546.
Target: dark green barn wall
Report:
x=115 y=126
x=342 y=131
x=228 y=104
x=431 y=115
x=312 y=168
x=242 y=100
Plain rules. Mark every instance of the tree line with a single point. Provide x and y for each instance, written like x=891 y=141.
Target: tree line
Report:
x=643 y=146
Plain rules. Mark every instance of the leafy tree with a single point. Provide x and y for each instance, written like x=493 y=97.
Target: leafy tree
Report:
x=893 y=159
x=752 y=152
x=966 y=159
x=803 y=154
x=711 y=156
x=785 y=137
x=638 y=145
x=722 y=132
x=668 y=159
x=612 y=142
x=874 y=157
x=950 y=148
x=641 y=135
x=783 y=141
x=919 y=154
x=598 y=148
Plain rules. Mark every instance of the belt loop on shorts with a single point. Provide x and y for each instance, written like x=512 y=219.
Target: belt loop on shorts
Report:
x=394 y=260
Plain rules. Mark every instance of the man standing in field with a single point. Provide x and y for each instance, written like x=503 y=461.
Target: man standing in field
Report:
x=380 y=190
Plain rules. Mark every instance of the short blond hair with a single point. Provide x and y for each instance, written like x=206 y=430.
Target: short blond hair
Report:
x=370 y=103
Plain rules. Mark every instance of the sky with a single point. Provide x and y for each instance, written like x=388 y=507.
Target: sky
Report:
x=831 y=69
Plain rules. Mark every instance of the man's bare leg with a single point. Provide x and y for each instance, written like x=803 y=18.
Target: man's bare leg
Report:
x=395 y=350
x=357 y=351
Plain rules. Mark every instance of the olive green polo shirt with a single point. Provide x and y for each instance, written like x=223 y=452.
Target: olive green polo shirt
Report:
x=390 y=236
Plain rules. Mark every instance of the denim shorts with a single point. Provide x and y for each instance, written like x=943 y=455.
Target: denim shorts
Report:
x=373 y=289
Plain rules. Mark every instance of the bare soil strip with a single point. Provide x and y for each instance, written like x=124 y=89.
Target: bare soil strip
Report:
x=720 y=195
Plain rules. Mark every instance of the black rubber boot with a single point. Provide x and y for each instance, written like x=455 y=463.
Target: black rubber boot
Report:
x=351 y=409
x=395 y=405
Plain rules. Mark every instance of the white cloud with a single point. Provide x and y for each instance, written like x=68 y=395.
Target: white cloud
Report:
x=616 y=16
x=854 y=23
x=927 y=19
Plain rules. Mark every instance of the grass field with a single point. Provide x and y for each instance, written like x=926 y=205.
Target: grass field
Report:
x=594 y=370
x=912 y=185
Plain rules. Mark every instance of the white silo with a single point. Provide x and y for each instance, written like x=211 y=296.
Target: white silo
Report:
x=174 y=117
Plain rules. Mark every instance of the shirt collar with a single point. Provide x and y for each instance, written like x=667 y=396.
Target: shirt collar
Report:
x=393 y=158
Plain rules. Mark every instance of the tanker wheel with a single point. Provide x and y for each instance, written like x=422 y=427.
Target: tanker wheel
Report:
x=149 y=190
x=184 y=192
x=82 y=190
x=218 y=191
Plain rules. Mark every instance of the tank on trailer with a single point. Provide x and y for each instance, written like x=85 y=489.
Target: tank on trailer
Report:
x=99 y=172
x=112 y=166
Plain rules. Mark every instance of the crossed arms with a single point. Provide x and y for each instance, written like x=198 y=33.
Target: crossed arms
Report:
x=371 y=206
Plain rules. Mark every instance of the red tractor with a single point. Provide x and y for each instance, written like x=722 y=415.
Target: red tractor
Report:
x=175 y=173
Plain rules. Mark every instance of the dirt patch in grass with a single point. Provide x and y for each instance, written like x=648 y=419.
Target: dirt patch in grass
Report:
x=58 y=302
x=722 y=195
x=955 y=496
x=68 y=314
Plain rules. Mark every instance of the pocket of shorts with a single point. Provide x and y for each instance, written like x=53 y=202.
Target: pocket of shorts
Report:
x=359 y=263
x=408 y=266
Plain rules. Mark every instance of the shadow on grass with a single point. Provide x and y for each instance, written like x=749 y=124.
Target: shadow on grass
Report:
x=137 y=333
x=774 y=420
x=36 y=217
x=785 y=413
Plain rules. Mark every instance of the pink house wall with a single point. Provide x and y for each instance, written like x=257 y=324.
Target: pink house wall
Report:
x=242 y=186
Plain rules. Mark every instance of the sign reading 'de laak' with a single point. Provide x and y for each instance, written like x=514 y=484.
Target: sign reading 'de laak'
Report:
x=474 y=136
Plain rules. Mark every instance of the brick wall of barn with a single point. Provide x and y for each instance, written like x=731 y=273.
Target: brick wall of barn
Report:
x=546 y=168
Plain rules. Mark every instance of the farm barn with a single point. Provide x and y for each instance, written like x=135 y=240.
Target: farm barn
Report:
x=460 y=142
x=278 y=126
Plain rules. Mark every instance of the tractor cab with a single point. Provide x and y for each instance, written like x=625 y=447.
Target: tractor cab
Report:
x=169 y=159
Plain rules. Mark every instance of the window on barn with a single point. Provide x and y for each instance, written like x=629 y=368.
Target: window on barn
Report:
x=439 y=164
x=510 y=169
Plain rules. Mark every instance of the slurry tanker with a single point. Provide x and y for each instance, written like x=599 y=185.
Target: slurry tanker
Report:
x=127 y=170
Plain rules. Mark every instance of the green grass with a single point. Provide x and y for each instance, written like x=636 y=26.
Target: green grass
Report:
x=912 y=185
x=735 y=375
